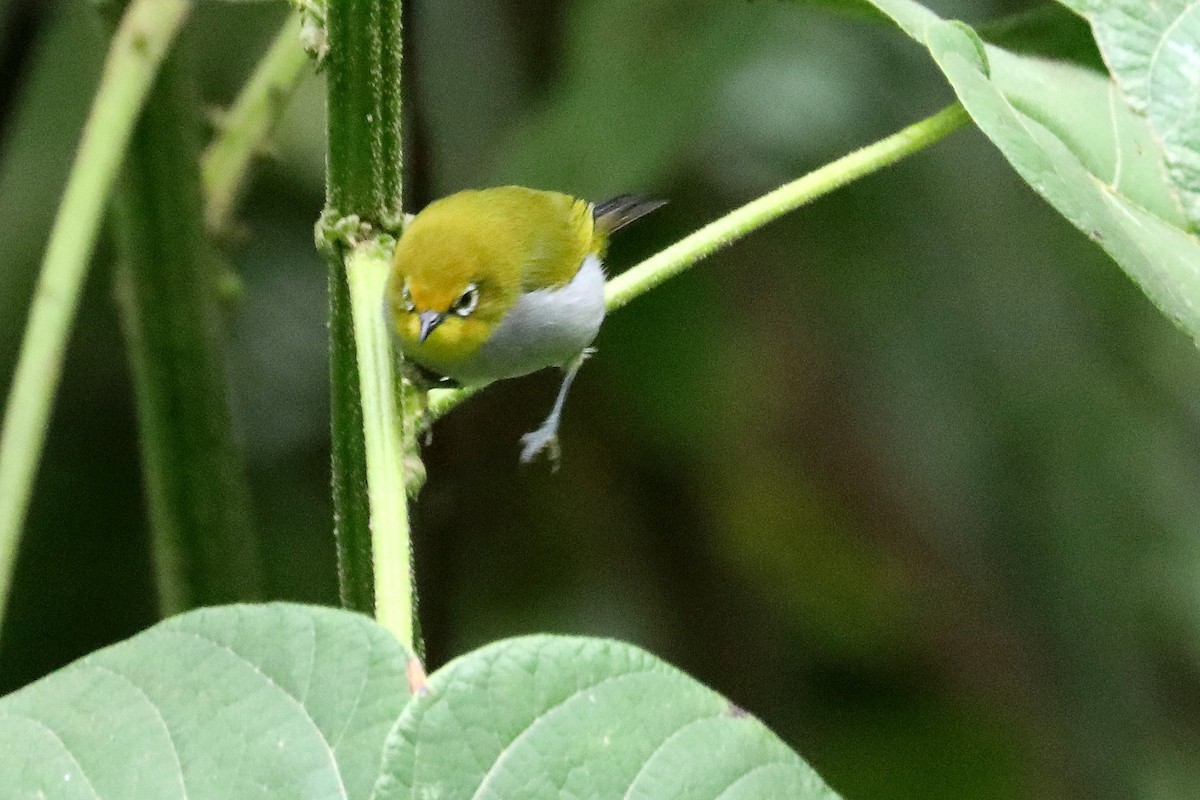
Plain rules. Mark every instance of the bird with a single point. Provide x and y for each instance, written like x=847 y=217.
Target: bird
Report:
x=496 y=283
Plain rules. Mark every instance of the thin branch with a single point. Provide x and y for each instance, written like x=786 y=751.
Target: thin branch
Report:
x=143 y=38
x=668 y=263
x=245 y=128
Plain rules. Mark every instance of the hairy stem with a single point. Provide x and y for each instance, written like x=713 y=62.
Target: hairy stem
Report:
x=363 y=204
x=351 y=506
x=143 y=38
x=365 y=158
x=668 y=263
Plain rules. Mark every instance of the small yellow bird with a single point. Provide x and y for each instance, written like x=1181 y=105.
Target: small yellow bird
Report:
x=497 y=283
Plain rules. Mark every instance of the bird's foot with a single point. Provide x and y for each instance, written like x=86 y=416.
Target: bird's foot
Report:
x=544 y=439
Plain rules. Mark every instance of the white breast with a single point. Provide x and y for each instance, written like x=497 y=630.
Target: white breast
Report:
x=545 y=328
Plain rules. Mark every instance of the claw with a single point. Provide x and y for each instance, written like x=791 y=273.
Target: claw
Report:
x=544 y=439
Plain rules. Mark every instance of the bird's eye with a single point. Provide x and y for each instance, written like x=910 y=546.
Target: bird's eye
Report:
x=467 y=301
x=406 y=299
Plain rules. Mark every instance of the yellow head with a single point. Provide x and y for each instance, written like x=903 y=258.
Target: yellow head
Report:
x=465 y=259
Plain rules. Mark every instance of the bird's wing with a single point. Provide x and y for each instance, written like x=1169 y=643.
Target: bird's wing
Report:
x=559 y=239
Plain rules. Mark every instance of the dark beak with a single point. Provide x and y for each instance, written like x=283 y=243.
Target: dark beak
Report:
x=429 y=321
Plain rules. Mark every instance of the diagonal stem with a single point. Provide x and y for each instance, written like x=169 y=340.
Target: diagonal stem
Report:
x=146 y=32
x=245 y=127
x=685 y=253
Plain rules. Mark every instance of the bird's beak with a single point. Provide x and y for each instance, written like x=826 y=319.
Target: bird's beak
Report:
x=429 y=321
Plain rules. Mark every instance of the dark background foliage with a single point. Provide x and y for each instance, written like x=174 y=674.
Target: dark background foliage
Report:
x=909 y=474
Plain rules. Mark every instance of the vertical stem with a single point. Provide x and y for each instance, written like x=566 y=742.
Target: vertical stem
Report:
x=367 y=271
x=196 y=484
x=363 y=201
x=145 y=34
x=348 y=454
x=364 y=164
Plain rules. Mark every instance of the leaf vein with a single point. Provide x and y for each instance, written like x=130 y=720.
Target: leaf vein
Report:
x=746 y=775
x=157 y=713
x=364 y=678
x=503 y=754
x=271 y=681
x=66 y=748
x=666 y=740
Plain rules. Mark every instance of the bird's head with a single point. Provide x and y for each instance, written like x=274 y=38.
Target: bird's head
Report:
x=450 y=284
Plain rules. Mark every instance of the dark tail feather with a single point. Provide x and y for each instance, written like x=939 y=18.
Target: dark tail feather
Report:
x=612 y=215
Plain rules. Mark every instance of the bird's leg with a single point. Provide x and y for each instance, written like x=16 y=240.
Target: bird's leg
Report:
x=546 y=436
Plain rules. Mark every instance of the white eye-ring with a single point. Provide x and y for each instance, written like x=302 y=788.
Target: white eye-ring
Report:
x=467 y=301
x=406 y=299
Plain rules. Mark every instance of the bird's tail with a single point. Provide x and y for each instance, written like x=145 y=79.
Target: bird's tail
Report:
x=612 y=215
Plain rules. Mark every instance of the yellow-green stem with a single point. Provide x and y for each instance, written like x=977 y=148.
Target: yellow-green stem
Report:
x=383 y=427
x=733 y=226
x=143 y=38
x=686 y=252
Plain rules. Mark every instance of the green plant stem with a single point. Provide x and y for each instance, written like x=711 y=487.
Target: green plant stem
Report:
x=367 y=271
x=143 y=38
x=365 y=158
x=363 y=201
x=245 y=128
x=197 y=489
x=688 y=251
x=757 y=213
x=348 y=454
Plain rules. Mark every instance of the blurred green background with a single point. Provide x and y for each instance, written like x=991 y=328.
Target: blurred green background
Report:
x=911 y=474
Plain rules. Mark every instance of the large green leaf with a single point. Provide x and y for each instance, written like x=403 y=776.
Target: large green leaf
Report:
x=274 y=701
x=1153 y=49
x=556 y=717
x=1069 y=133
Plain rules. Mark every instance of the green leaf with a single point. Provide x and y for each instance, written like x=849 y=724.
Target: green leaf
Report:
x=273 y=701
x=557 y=717
x=1068 y=132
x=1153 y=50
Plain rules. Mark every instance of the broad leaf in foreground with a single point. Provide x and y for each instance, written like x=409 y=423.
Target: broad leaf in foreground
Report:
x=548 y=717
x=1153 y=50
x=274 y=701
x=1071 y=136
